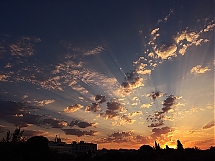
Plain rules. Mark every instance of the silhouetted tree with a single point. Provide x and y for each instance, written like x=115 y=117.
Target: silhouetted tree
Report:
x=179 y=146
x=16 y=136
x=146 y=148
x=157 y=146
x=37 y=148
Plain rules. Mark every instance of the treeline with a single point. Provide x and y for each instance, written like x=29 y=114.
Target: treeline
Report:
x=15 y=147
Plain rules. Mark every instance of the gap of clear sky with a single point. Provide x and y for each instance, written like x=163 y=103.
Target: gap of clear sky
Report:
x=117 y=73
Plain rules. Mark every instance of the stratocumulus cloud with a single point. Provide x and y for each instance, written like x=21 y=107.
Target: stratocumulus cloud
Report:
x=79 y=133
x=81 y=124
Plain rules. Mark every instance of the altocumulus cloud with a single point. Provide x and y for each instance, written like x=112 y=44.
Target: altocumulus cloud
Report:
x=199 y=69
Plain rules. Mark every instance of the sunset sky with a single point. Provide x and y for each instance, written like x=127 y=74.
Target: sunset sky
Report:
x=117 y=73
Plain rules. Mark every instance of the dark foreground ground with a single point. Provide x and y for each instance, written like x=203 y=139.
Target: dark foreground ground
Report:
x=25 y=152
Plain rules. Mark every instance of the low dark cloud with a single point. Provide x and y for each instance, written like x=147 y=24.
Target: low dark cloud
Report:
x=94 y=107
x=30 y=133
x=114 y=108
x=78 y=132
x=209 y=125
x=156 y=124
x=101 y=99
x=19 y=114
x=53 y=123
x=158 y=118
x=155 y=95
x=124 y=137
x=168 y=102
x=132 y=81
x=157 y=132
x=81 y=124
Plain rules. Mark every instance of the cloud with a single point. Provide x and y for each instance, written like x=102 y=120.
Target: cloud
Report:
x=73 y=108
x=95 y=51
x=188 y=36
x=124 y=137
x=154 y=31
x=155 y=95
x=166 y=18
x=114 y=108
x=166 y=51
x=79 y=133
x=53 y=123
x=44 y=102
x=81 y=124
x=158 y=118
x=3 y=77
x=132 y=81
x=127 y=118
x=100 y=98
x=146 y=105
x=208 y=28
x=160 y=123
x=186 y=39
x=141 y=69
x=20 y=114
x=24 y=46
x=30 y=133
x=14 y=112
x=168 y=102
x=209 y=125
x=117 y=137
x=157 y=132
x=94 y=107
x=199 y=70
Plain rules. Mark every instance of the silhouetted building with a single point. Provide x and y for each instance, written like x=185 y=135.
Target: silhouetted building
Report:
x=83 y=148
x=60 y=146
x=74 y=148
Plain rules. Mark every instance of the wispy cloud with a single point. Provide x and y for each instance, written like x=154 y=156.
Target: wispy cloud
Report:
x=94 y=51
